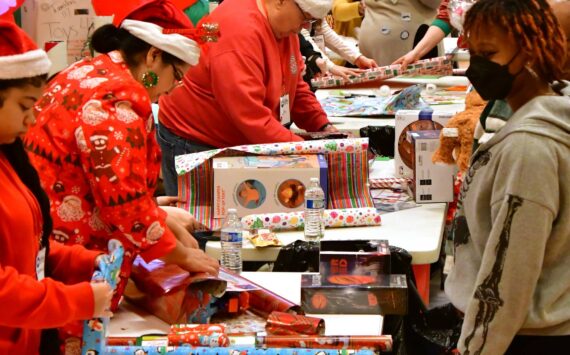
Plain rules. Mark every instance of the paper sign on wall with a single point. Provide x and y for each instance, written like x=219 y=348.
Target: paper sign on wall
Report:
x=60 y=20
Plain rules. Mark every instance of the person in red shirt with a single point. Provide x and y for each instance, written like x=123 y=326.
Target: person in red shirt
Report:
x=34 y=294
x=247 y=87
x=94 y=141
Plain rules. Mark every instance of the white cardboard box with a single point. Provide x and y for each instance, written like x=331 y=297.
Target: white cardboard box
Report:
x=60 y=20
x=414 y=120
x=431 y=182
x=265 y=184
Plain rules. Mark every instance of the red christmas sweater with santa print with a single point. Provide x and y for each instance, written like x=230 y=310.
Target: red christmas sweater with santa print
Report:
x=95 y=149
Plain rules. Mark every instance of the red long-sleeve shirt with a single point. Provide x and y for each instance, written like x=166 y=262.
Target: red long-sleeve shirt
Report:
x=28 y=305
x=232 y=96
x=95 y=149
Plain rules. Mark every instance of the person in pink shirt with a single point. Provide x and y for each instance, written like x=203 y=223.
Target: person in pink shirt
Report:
x=247 y=87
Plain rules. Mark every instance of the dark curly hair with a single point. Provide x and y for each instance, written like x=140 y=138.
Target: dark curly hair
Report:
x=532 y=24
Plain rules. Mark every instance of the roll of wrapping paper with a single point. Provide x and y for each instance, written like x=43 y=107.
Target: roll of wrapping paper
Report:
x=389 y=183
x=434 y=66
x=349 y=217
x=185 y=350
x=198 y=335
x=374 y=342
x=199 y=339
x=280 y=323
x=262 y=301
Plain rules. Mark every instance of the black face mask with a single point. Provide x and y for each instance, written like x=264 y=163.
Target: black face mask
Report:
x=491 y=80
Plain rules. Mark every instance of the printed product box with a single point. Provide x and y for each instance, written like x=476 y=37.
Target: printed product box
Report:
x=354 y=294
x=431 y=182
x=414 y=120
x=265 y=184
x=354 y=257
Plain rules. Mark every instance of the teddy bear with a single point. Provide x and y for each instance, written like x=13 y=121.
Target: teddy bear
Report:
x=456 y=139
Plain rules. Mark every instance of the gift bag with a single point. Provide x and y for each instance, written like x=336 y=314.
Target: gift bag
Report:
x=347 y=173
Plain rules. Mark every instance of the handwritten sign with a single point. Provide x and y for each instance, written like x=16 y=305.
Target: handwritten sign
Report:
x=60 y=20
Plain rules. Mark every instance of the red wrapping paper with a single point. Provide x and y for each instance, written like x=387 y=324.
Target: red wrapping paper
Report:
x=377 y=343
x=280 y=323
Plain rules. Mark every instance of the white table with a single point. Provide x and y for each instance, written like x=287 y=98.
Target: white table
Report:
x=288 y=286
x=354 y=124
x=130 y=321
x=418 y=230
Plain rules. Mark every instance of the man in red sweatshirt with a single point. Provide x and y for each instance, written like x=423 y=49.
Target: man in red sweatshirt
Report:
x=247 y=86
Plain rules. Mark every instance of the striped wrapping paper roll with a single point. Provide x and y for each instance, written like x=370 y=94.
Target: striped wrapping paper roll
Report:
x=349 y=217
x=187 y=350
x=389 y=183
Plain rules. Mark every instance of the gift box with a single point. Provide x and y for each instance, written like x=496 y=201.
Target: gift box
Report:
x=173 y=294
x=265 y=184
x=347 y=180
x=354 y=257
x=413 y=120
x=431 y=182
x=60 y=20
x=354 y=294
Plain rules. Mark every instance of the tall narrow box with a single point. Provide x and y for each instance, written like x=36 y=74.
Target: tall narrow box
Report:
x=265 y=184
x=431 y=182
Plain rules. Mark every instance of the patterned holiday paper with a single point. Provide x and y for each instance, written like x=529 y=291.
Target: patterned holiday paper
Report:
x=336 y=218
x=436 y=66
x=183 y=350
x=347 y=161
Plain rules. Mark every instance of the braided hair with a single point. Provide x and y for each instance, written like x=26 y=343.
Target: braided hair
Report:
x=532 y=24
x=18 y=158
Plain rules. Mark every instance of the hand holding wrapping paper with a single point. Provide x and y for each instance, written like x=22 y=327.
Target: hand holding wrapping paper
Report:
x=349 y=217
x=281 y=323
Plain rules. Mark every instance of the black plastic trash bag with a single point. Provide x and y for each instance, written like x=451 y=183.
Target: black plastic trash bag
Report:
x=380 y=139
x=421 y=331
x=299 y=256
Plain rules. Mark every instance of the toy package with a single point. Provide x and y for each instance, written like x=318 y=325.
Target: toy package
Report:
x=414 y=120
x=354 y=294
x=354 y=257
x=265 y=184
x=431 y=182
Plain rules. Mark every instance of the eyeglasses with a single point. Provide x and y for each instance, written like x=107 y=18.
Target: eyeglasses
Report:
x=306 y=20
x=178 y=74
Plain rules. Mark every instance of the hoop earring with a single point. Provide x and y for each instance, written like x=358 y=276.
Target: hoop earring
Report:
x=149 y=79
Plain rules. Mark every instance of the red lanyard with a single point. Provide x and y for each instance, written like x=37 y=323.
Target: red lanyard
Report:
x=283 y=69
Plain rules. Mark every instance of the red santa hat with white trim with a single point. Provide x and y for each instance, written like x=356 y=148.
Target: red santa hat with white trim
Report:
x=20 y=57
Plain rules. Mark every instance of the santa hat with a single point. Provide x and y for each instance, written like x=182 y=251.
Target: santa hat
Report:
x=20 y=57
x=316 y=8
x=161 y=24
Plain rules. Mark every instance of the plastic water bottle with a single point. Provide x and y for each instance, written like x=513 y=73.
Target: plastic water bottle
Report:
x=314 y=211
x=232 y=237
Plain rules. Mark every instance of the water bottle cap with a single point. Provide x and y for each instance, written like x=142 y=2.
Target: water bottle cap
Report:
x=314 y=179
x=232 y=210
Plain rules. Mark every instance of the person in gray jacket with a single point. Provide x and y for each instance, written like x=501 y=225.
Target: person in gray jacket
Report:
x=511 y=277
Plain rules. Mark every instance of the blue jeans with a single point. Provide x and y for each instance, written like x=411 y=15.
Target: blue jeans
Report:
x=171 y=146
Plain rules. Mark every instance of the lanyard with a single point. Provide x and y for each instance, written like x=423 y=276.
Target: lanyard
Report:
x=283 y=69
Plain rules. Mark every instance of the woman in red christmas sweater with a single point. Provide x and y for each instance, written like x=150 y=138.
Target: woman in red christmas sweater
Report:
x=94 y=142
x=30 y=296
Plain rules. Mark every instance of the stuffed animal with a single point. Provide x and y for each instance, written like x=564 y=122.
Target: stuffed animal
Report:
x=456 y=141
